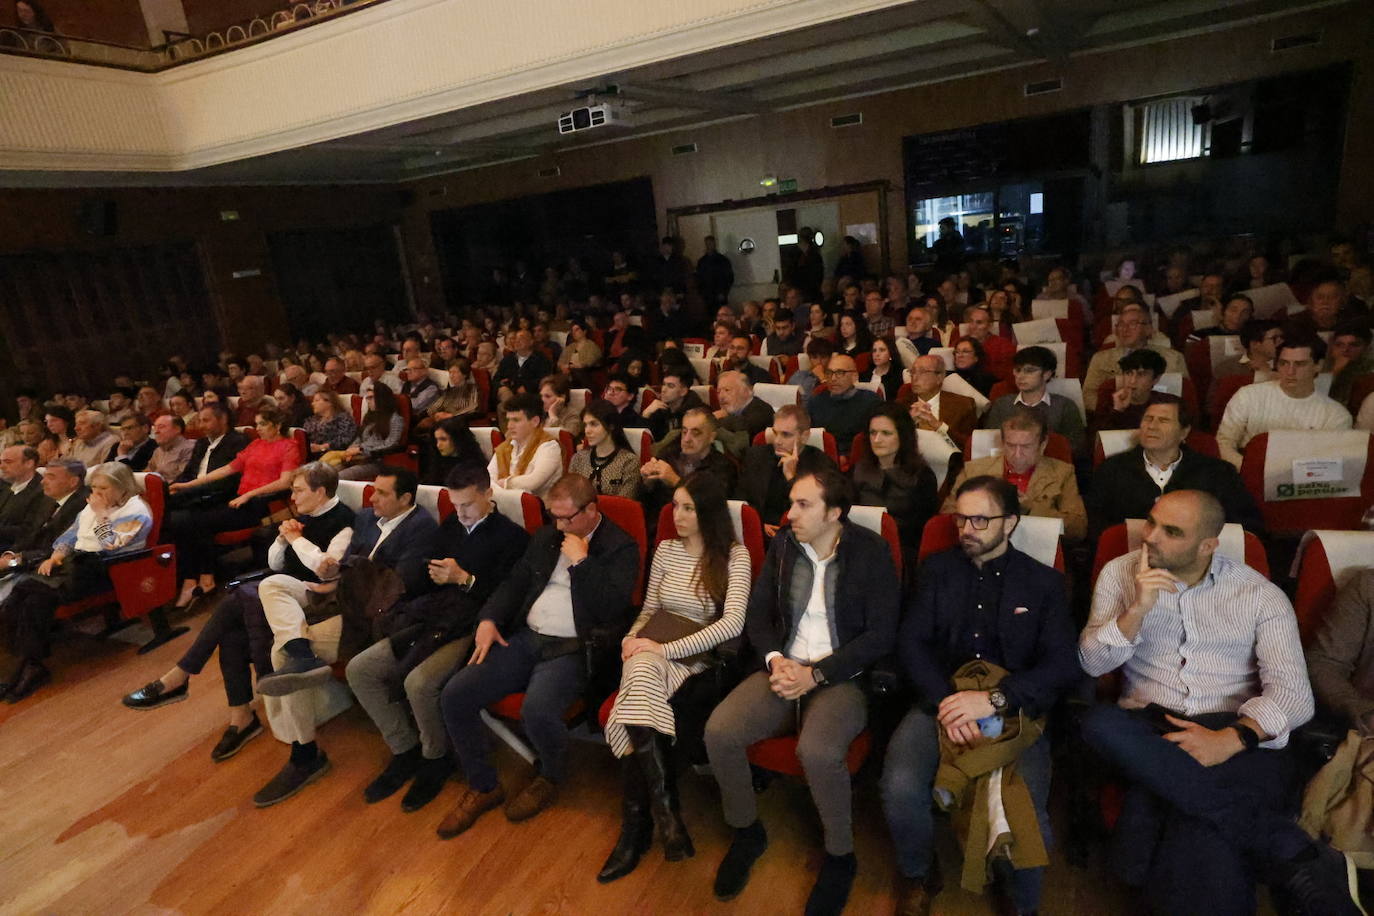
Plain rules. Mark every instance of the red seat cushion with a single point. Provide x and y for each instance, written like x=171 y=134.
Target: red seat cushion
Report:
x=780 y=754
x=511 y=705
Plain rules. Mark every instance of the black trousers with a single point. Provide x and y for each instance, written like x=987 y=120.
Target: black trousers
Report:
x=26 y=616
x=193 y=531
x=239 y=630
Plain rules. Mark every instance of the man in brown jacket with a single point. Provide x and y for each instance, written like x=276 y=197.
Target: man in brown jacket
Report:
x=1046 y=485
x=1340 y=661
x=933 y=408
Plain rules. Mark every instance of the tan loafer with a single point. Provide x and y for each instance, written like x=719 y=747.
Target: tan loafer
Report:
x=471 y=806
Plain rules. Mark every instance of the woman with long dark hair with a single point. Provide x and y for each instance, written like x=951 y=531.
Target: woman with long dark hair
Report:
x=607 y=461
x=891 y=473
x=886 y=368
x=696 y=597
x=454 y=445
x=379 y=435
x=852 y=336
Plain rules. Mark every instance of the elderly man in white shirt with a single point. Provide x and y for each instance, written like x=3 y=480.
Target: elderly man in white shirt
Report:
x=1290 y=402
x=374 y=371
x=530 y=459
x=1214 y=682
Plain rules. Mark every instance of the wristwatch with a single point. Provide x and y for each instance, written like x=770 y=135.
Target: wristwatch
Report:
x=998 y=699
x=1247 y=736
x=818 y=675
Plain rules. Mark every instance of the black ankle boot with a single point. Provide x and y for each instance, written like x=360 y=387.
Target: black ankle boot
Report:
x=655 y=753
x=636 y=827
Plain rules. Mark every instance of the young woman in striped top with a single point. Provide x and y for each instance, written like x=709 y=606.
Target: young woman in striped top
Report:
x=701 y=578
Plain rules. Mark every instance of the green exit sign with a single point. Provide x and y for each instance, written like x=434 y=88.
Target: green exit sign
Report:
x=787 y=185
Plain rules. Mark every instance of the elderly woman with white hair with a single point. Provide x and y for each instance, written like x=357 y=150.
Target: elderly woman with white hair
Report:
x=115 y=521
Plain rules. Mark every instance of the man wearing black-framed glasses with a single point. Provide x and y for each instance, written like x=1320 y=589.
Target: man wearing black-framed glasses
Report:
x=989 y=645
x=576 y=576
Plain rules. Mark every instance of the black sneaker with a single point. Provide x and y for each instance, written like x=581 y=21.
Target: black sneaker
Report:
x=154 y=695
x=234 y=739
x=296 y=674
x=831 y=890
x=1323 y=883
x=429 y=782
x=396 y=774
x=292 y=778
x=733 y=873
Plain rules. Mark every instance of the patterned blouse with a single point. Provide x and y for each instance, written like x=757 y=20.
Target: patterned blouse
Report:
x=614 y=476
x=337 y=432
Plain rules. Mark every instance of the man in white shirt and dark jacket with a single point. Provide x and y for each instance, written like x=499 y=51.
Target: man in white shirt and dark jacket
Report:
x=823 y=610
x=1213 y=684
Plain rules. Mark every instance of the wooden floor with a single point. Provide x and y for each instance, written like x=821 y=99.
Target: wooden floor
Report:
x=106 y=810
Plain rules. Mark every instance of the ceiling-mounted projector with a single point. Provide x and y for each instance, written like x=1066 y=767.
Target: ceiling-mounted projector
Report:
x=602 y=115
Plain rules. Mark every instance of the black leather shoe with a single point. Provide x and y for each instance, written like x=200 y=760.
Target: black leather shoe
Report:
x=397 y=773
x=234 y=739
x=733 y=873
x=154 y=695
x=831 y=891
x=28 y=683
x=429 y=782
x=292 y=778
x=296 y=674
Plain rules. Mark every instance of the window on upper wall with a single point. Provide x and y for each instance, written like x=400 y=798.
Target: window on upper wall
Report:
x=1166 y=130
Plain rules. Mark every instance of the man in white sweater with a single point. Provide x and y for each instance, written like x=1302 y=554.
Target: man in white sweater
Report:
x=1291 y=402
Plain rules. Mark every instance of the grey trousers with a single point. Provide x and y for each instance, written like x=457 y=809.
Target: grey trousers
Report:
x=372 y=674
x=831 y=718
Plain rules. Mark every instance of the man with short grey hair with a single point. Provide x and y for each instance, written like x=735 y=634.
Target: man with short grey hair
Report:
x=93 y=439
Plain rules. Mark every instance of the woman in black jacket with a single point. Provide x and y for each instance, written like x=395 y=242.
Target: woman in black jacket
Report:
x=891 y=473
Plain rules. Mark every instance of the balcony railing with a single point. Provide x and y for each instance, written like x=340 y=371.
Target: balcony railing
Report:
x=179 y=48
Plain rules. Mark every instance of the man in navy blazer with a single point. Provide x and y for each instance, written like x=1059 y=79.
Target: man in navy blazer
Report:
x=429 y=636
x=577 y=576
x=983 y=600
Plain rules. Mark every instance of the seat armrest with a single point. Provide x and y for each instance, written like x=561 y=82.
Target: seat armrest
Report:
x=885 y=677
x=253 y=576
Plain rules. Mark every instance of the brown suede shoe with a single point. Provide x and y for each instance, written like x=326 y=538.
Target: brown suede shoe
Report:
x=914 y=897
x=535 y=797
x=471 y=806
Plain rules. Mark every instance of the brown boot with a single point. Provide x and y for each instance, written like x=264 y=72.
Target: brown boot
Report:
x=535 y=797
x=915 y=895
x=471 y=806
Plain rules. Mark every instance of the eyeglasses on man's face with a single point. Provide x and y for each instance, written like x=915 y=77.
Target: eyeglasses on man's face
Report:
x=979 y=522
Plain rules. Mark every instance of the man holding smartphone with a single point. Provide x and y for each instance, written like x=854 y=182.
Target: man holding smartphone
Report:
x=1208 y=649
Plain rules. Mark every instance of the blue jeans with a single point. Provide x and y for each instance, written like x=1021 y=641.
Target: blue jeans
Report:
x=1196 y=836
x=550 y=688
x=913 y=756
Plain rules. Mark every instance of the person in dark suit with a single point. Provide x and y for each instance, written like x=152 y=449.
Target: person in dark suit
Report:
x=219 y=445
x=429 y=636
x=765 y=481
x=23 y=507
x=521 y=370
x=576 y=578
x=984 y=601
x=64 y=490
x=623 y=336
x=1127 y=485
x=741 y=416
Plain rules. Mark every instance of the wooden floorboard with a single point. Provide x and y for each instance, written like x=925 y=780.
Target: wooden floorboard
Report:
x=107 y=810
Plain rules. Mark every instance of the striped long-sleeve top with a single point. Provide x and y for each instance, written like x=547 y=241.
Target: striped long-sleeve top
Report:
x=1227 y=644
x=674 y=586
